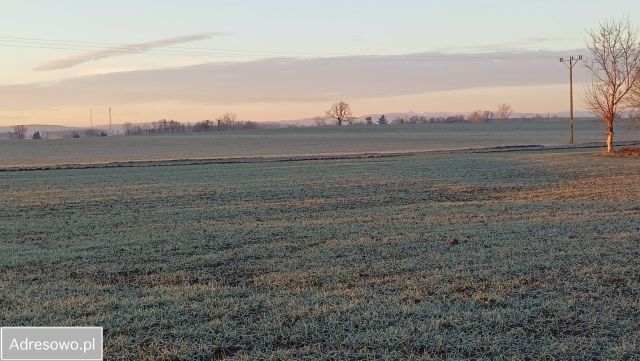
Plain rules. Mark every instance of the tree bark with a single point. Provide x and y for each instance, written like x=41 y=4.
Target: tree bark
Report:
x=610 y=139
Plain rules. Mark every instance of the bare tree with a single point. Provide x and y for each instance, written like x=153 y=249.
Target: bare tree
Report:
x=634 y=120
x=202 y=126
x=634 y=114
x=635 y=98
x=19 y=132
x=475 y=117
x=504 y=111
x=480 y=116
x=227 y=121
x=615 y=71
x=488 y=115
x=319 y=121
x=127 y=128
x=398 y=120
x=341 y=112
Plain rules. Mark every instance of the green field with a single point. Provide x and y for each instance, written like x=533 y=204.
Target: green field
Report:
x=336 y=259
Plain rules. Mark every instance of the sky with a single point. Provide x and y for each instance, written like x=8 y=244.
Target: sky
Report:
x=278 y=60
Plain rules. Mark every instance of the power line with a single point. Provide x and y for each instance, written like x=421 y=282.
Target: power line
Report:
x=252 y=54
x=175 y=47
x=102 y=45
x=114 y=50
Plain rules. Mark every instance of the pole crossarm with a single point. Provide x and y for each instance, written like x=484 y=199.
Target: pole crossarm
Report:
x=571 y=61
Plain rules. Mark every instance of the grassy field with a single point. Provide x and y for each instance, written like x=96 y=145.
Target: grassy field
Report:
x=302 y=141
x=333 y=259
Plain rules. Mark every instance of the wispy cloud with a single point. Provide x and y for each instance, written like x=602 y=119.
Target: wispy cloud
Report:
x=120 y=50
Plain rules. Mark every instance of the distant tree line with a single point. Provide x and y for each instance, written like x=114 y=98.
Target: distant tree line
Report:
x=161 y=126
x=89 y=133
x=421 y=119
x=341 y=114
x=19 y=132
x=227 y=121
x=383 y=120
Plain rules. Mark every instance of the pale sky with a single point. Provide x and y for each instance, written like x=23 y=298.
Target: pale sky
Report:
x=278 y=60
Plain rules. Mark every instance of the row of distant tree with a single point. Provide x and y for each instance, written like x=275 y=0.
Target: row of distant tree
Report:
x=383 y=120
x=20 y=132
x=227 y=121
x=504 y=112
x=340 y=113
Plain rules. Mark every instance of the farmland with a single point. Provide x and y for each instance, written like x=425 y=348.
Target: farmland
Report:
x=510 y=255
x=300 y=142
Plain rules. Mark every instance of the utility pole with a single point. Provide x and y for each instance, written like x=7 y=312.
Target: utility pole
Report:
x=573 y=60
x=110 y=127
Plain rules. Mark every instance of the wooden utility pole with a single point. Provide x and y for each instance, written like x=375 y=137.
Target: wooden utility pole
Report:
x=573 y=60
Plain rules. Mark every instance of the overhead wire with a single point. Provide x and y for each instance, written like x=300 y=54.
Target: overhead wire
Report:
x=68 y=45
